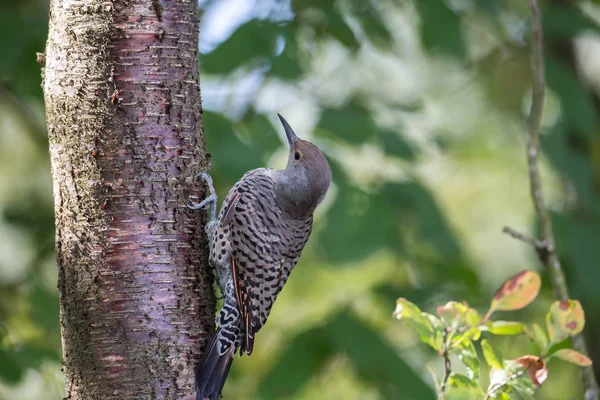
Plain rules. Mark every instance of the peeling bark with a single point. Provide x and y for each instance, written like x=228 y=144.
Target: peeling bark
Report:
x=124 y=120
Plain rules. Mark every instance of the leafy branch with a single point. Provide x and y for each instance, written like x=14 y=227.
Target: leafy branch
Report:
x=545 y=247
x=457 y=328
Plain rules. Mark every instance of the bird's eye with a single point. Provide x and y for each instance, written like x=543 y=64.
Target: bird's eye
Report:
x=296 y=156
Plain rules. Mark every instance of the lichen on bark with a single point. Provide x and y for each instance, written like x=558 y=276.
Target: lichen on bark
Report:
x=122 y=97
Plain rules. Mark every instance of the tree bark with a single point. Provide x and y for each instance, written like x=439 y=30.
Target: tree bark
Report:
x=124 y=122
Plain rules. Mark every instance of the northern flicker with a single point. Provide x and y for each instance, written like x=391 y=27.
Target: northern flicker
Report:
x=257 y=239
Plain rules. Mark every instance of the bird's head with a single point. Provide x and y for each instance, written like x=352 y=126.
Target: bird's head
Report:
x=307 y=176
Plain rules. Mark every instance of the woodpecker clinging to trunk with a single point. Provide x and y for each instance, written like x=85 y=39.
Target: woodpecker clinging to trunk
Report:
x=264 y=223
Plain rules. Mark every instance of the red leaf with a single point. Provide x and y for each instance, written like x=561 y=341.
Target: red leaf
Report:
x=536 y=368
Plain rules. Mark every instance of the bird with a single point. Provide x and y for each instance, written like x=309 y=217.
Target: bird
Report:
x=262 y=228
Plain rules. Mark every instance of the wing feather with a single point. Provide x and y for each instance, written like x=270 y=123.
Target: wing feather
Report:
x=261 y=252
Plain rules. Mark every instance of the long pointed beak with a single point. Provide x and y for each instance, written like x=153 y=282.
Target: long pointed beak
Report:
x=289 y=132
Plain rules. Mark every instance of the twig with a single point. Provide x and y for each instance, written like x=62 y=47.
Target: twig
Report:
x=538 y=244
x=447 y=364
x=497 y=386
x=545 y=246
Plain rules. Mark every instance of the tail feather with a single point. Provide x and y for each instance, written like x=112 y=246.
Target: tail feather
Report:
x=212 y=371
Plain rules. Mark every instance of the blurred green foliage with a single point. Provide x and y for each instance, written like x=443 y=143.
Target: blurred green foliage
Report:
x=419 y=107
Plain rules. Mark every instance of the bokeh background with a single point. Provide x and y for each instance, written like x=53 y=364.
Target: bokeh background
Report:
x=420 y=106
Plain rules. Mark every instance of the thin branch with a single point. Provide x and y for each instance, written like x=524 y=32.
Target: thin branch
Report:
x=545 y=246
x=497 y=386
x=538 y=244
x=447 y=363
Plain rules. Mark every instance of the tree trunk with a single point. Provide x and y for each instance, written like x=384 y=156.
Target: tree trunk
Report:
x=124 y=121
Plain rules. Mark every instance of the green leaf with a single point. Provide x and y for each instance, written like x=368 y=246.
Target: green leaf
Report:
x=458 y=315
x=573 y=357
x=45 y=307
x=492 y=357
x=576 y=101
x=461 y=387
x=537 y=370
x=452 y=313
x=468 y=355
x=336 y=27
x=413 y=318
x=516 y=292
x=351 y=123
x=254 y=40
x=540 y=336
x=394 y=144
x=565 y=21
x=287 y=64
x=441 y=28
x=10 y=370
x=28 y=355
x=360 y=222
x=505 y=327
x=372 y=23
x=566 y=318
x=250 y=142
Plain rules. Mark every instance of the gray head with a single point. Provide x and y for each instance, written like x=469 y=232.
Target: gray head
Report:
x=306 y=178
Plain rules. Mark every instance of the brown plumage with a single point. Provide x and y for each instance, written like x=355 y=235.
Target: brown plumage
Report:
x=263 y=226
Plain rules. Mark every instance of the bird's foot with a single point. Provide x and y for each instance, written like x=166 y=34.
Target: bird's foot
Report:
x=209 y=203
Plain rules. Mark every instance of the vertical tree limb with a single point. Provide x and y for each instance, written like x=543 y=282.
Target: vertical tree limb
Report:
x=125 y=129
x=546 y=246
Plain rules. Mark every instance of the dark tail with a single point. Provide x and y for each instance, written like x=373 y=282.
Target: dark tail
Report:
x=212 y=371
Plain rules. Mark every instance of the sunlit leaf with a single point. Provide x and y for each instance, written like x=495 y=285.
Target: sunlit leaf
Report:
x=505 y=327
x=437 y=339
x=573 y=357
x=412 y=317
x=536 y=368
x=540 y=336
x=456 y=315
x=566 y=318
x=492 y=357
x=461 y=387
x=468 y=355
x=429 y=328
x=517 y=292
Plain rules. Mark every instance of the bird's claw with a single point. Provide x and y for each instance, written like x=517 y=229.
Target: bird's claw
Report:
x=210 y=202
x=204 y=204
